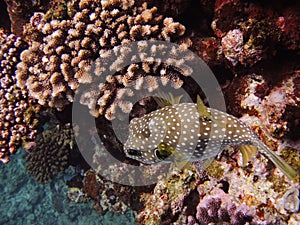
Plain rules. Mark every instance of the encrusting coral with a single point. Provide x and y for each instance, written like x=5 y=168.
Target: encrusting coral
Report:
x=275 y=105
x=18 y=112
x=108 y=196
x=60 y=49
x=50 y=154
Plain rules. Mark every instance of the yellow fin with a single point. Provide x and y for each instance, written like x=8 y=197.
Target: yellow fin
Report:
x=279 y=162
x=207 y=163
x=179 y=163
x=248 y=151
x=164 y=100
x=182 y=164
x=202 y=110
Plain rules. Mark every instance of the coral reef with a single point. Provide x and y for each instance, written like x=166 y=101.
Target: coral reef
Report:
x=20 y=11
x=251 y=195
x=251 y=46
x=61 y=48
x=18 y=112
x=169 y=196
x=108 y=97
x=109 y=196
x=276 y=106
x=218 y=207
x=251 y=32
x=50 y=153
x=173 y=8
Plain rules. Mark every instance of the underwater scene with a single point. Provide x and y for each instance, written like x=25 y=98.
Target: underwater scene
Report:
x=157 y=112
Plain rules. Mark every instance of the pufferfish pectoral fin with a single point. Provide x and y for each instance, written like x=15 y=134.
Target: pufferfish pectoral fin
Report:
x=202 y=110
x=248 y=151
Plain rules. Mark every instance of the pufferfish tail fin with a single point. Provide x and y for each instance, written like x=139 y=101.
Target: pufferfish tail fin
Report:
x=285 y=168
x=164 y=100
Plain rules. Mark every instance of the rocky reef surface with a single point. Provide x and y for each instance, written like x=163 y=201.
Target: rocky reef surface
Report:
x=49 y=49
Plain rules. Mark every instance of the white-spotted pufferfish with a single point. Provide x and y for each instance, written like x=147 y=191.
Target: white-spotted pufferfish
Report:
x=189 y=132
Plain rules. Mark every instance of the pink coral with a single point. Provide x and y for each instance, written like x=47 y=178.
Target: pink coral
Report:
x=218 y=208
x=18 y=112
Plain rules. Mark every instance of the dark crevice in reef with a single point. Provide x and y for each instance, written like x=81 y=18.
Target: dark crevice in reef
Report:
x=4 y=18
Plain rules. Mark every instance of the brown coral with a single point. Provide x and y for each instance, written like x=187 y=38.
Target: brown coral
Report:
x=20 y=11
x=18 y=112
x=51 y=153
x=151 y=64
x=59 y=49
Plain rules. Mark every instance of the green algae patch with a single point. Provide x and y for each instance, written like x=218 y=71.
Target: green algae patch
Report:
x=215 y=170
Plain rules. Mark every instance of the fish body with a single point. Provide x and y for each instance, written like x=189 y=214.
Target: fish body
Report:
x=192 y=132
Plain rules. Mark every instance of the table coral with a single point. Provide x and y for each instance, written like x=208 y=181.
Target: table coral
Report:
x=50 y=154
x=61 y=48
x=18 y=112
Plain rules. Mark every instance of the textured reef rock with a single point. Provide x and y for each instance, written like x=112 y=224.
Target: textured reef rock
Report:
x=18 y=112
x=225 y=194
x=276 y=106
x=253 y=31
x=50 y=152
x=109 y=196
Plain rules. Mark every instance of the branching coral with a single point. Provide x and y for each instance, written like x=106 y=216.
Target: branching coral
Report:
x=50 y=154
x=149 y=62
x=60 y=49
x=18 y=112
x=20 y=11
x=220 y=209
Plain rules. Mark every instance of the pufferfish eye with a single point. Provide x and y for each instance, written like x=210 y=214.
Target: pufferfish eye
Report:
x=134 y=152
x=161 y=154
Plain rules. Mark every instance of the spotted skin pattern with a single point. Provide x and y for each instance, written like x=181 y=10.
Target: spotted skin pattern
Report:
x=195 y=137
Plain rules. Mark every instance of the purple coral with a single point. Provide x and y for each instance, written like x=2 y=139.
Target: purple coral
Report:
x=216 y=209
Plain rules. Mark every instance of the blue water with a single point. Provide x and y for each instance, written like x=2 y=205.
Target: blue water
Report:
x=24 y=201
